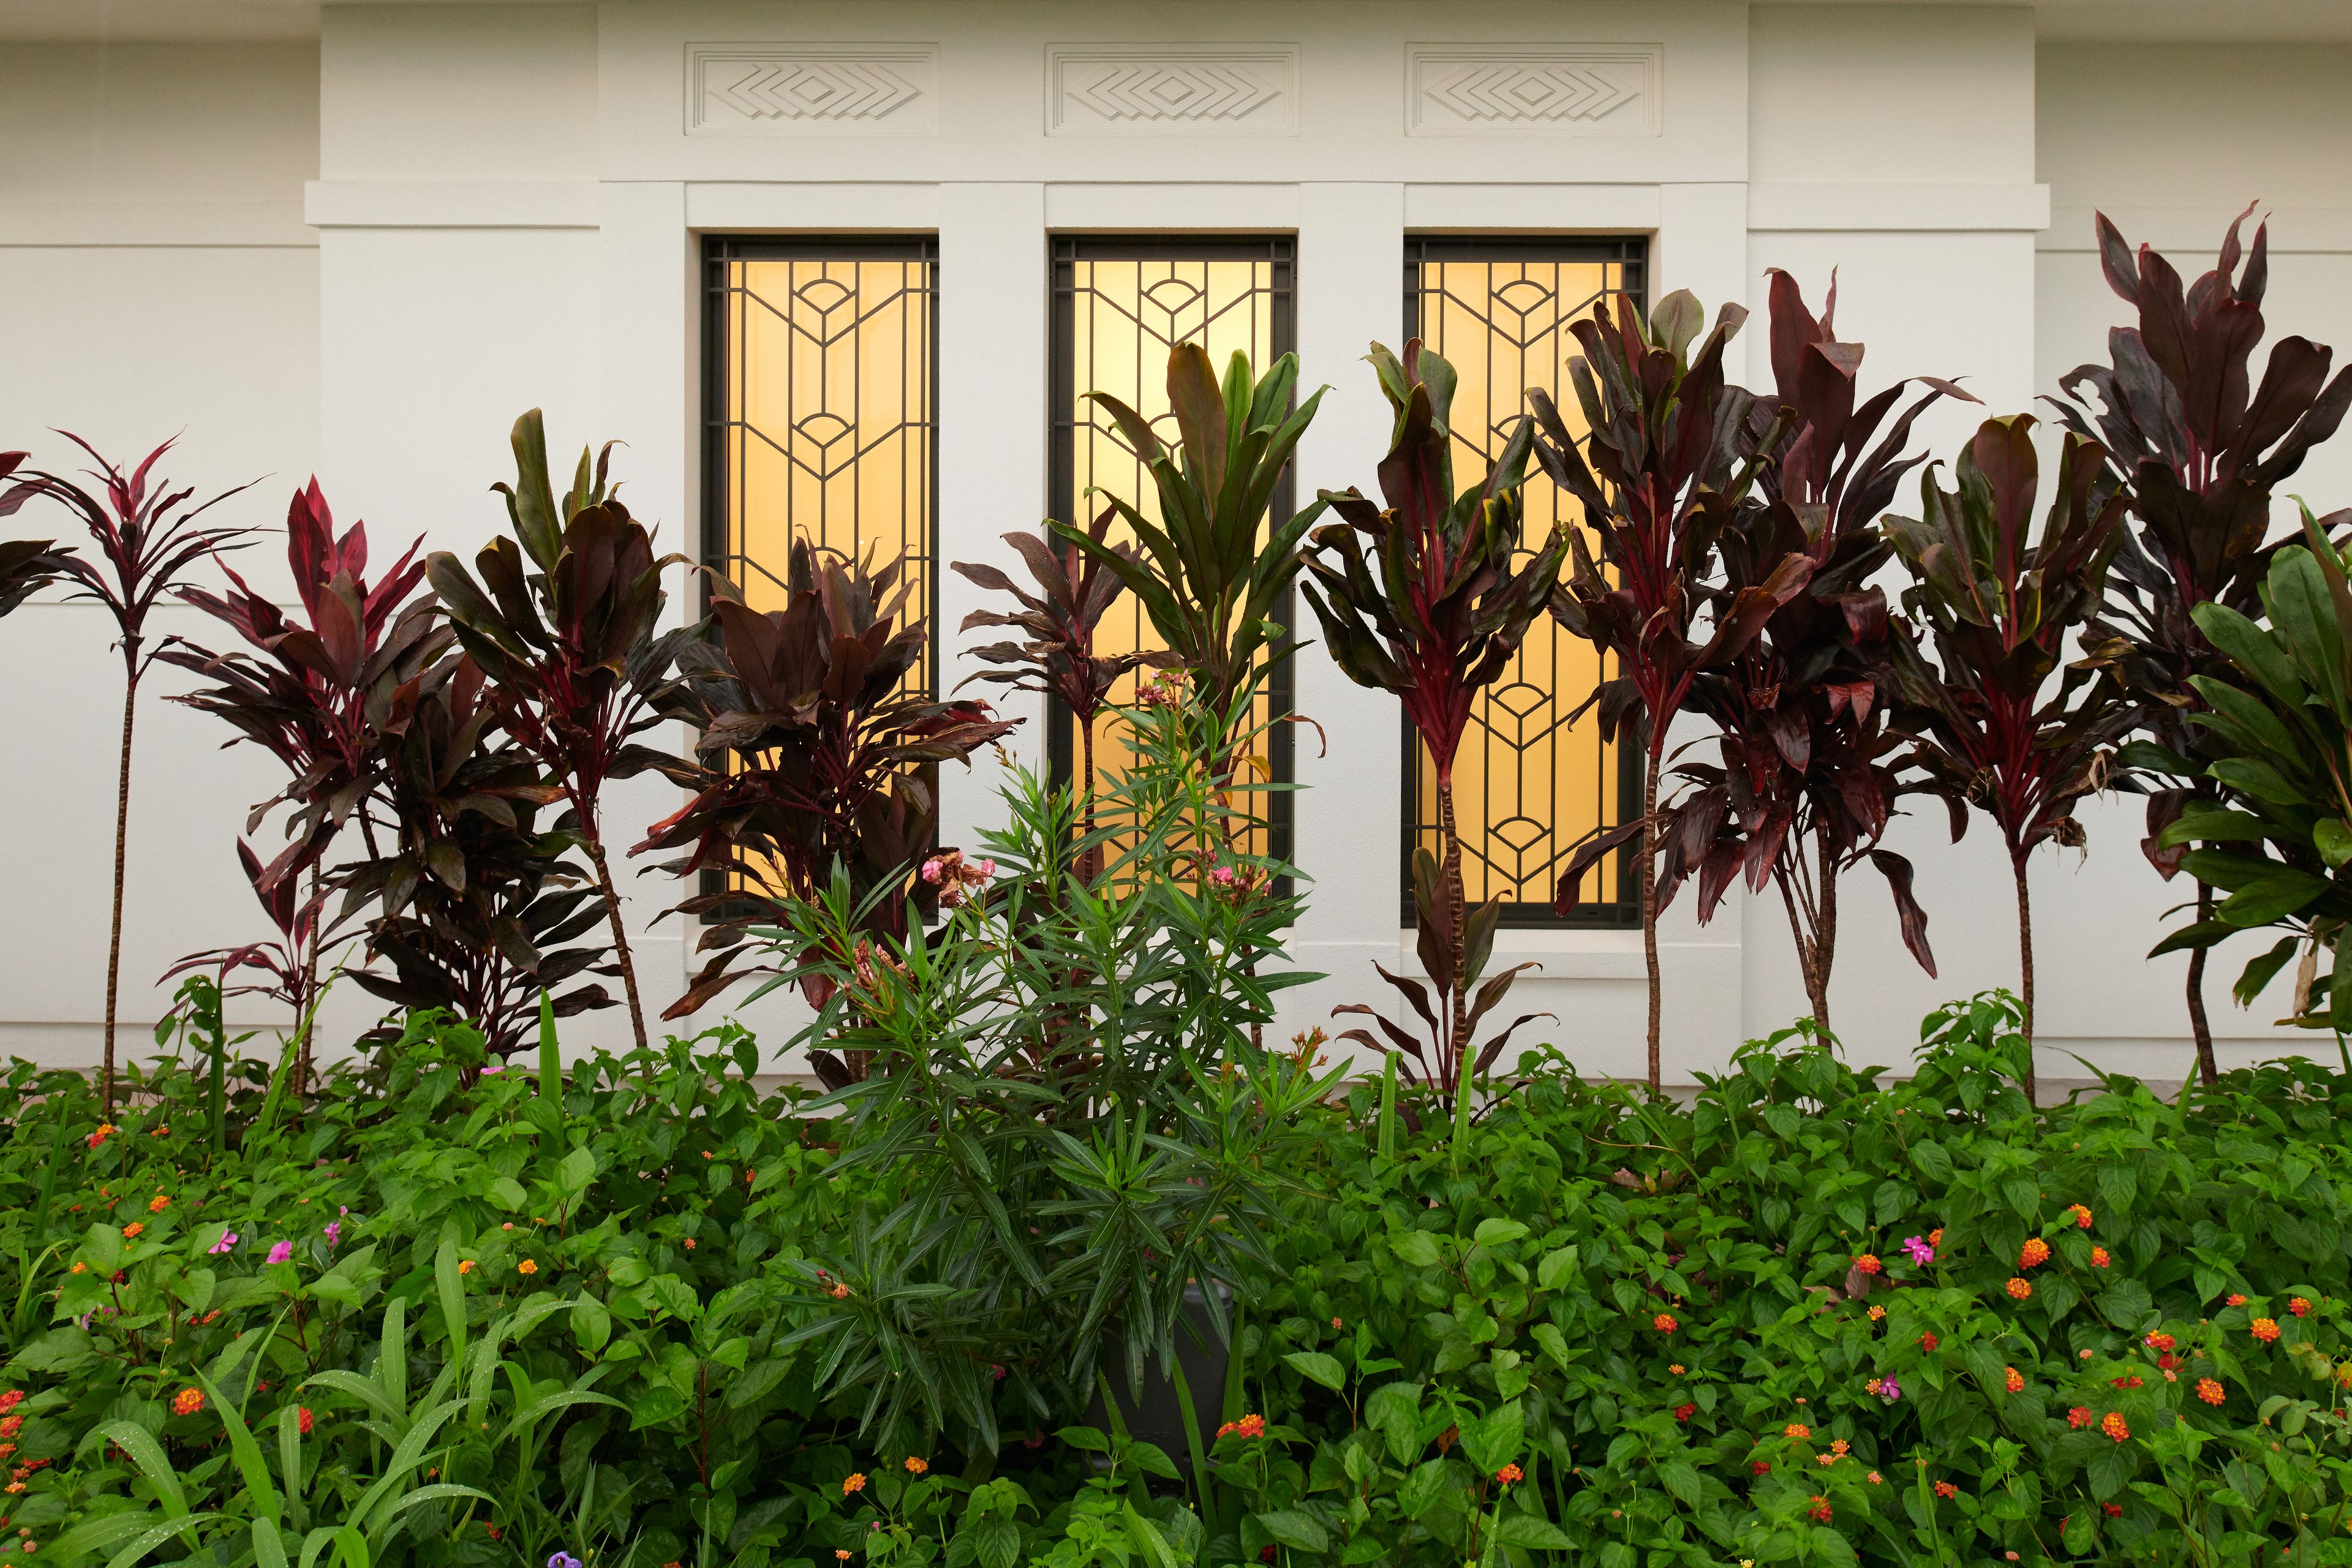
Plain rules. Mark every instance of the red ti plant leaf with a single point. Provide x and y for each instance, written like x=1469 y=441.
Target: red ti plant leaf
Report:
x=811 y=754
x=313 y=693
x=27 y=565
x=2198 y=449
x=143 y=537
x=565 y=621
x=1986 y=720
x=1058 y=659
x=1425 y=597
x=1667 y=460
x=1809 y=775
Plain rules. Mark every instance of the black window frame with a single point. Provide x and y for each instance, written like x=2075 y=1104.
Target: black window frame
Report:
x=1624 y=911
x=1281 y=252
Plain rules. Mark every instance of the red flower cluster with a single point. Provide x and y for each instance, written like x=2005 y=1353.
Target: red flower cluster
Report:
x=2264 y=1329
x=187 y=1402
x=2035 y=1253
x=2299 y=1305
x=302 y=1419
x=1928 y=1341
x=2113 y=1426
x=1685 y=1412
x=2113 y=1509
x=11 y=1399
x=2099 y=1258
x=2018 y=1289
x=1509 y=1475
x=1945 y=1488
x=2161 y=1341
x=1665 y=1323
x=2210 y=1390
x=2082 y=1216
x=1820 y=1512
x=2079 y=1416
x=2130 y=1382
x=2015 y=1379
x=1247 y=1426
x=1868 y=1263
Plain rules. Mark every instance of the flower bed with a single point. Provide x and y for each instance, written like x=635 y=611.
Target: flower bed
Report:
x=1807 y=1317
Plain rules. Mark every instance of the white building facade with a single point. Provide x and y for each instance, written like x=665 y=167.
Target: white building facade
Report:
x=358 y=239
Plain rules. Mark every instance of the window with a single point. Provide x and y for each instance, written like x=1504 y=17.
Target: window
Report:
x=821 y=361
x=1528 y=788
x=1120 y=305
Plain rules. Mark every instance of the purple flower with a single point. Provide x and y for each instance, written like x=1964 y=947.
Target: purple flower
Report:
x=564 y=1560
x=334 y=1232
x=1921 y=1253
x=1886 y=1388
x=282 y=1252
x=227 y=1241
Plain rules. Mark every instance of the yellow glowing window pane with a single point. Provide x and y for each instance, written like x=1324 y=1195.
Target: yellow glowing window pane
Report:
x=1528 y=788
x=822 y=404
x=1118 y=315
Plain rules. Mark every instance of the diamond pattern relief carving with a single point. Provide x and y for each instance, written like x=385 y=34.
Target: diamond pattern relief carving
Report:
x=1587 y=90
x=823 y=90
x=1185 y=89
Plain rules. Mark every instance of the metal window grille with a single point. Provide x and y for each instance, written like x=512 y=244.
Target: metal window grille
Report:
x=1528 y=788
x=1119 y=306
x=820 y=390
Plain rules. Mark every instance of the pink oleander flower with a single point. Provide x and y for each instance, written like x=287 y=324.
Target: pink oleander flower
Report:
x=282 y=1252
x=931 y=869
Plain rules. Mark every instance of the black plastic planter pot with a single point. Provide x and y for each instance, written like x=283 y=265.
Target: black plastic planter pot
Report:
x=1159 y=1419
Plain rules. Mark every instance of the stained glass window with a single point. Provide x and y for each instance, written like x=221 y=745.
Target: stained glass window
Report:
x=821 y=359
x=1527 y=787
x=1120 y=306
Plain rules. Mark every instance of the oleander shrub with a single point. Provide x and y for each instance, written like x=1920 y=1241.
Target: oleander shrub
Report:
x=461 y=1313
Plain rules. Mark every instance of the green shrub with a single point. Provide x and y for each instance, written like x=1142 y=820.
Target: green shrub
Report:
x=1657 y=1318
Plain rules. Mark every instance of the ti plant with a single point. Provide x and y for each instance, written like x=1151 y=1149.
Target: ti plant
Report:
x=1987 y=724
x=1668 y=462
x=564 y=621
x=478 y=901
x=289 y=966
x=2198 y=450
x=1059 y=658
x=27 y=565
x=1211 y=572
x=315 y=695
x=145 y=534
x=2273 y=823
x=1808 y=780
x=1425 y=597
x=812 y=751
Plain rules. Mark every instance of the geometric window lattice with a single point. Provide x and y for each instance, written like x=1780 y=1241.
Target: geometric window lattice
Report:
x=1120 y=306
x=820 y=363
x=1529 y=787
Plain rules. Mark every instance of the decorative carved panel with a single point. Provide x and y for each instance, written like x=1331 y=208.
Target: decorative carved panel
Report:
x=811 y=89
x=1487 y=90
x=1176 y=89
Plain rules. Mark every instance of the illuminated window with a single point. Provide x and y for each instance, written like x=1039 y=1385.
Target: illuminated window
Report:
x=1118 y=306
x=821 y=359
x=1528 y=788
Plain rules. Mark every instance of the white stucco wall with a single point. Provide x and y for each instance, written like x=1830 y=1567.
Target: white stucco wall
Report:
x=368 y=255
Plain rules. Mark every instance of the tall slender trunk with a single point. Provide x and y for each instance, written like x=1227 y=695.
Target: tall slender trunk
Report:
x=1090 y=859
x=1825 y=916
x=2208 y=1069
x=620 y=935
x=1457 y=936
x=1650 y=903
x=306 y=1023
x=2025 y=965
x=121 y=848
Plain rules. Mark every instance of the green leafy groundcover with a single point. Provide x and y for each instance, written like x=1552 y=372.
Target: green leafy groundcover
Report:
x=1807 y=1317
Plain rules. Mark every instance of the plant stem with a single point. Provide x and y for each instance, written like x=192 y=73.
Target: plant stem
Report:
x=306 y=1023
x=2207 y=1068
x=122 y=847
x=2025 y=965
x=1449 y=883
x=620 y=936
x=1650 y=903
